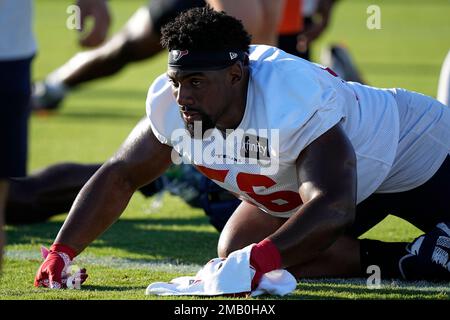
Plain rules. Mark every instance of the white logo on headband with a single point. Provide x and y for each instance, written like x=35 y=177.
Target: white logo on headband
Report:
x=178 y=54
x=233 y=55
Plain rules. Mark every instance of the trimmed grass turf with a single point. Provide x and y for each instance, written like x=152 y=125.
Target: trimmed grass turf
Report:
x=142 y=247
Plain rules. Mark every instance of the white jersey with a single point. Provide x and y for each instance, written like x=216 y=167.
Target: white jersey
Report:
x=16 y=34
x=296 y=101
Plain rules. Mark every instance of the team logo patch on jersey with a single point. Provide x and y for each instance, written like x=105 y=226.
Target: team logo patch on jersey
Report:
x=233 y=55
x=255 y=147
x=178 y=54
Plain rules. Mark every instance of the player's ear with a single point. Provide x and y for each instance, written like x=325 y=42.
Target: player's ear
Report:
x=236 y=72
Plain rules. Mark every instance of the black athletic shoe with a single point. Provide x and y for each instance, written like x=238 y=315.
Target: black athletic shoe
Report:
x=429 y=256
x=46 y=96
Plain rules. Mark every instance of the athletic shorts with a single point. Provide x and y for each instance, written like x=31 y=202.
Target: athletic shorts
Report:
x=424 y=141
x=417 y=187
x=424 y=206
x=15 y=92
x=162 y=11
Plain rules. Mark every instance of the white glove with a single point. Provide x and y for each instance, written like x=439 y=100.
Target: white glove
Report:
x=232 y=275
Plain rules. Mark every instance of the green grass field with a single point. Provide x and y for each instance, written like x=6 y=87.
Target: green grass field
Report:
x=145 y=247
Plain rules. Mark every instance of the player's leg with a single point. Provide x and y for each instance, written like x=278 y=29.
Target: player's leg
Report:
x=139 y=39
x=46 y=193
x=136 y=41
x=351 y=257
x=249 y=224
x=427 y=207
x=52 y=191
x=424 y=206
x=3 y=195
x=443 y=94
x=347 y=257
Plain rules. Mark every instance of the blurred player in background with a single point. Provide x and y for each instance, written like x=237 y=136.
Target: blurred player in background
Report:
x=17 y=49
x=292 y=25
x=139 y=39
x=303 y=23
x=136 y=41
x=52 y=191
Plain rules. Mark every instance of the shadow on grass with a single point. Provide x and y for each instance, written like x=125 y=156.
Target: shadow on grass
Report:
x=111 y=288
x=112 y=93
x=357 y=289
x=96 y=115
x=168 y=239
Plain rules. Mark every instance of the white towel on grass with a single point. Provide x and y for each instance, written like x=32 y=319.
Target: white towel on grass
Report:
x=227 y=276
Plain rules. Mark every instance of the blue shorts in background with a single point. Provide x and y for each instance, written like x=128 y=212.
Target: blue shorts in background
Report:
x=15 y=92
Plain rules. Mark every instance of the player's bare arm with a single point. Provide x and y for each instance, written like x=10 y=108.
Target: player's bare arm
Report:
x=141 y=159
x=327 y=175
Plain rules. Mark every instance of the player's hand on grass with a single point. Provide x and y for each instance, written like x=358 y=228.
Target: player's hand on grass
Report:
x=57 y=270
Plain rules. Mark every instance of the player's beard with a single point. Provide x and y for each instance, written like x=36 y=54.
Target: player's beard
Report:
x=206 y=124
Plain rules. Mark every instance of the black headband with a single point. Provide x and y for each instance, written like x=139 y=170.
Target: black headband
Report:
x=204 y=60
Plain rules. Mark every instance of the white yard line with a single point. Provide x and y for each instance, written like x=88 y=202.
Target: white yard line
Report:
x=112 y=262
x=396 y=284
x=166 y=266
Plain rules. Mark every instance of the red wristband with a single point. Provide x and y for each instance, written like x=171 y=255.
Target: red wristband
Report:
x=265 y=256
x=58 y=247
